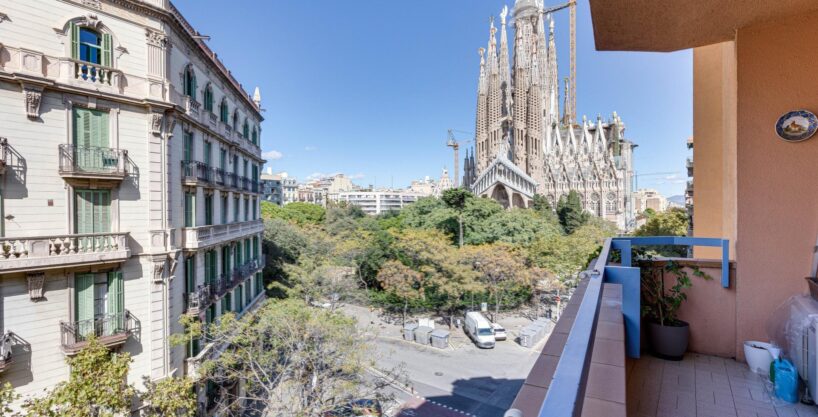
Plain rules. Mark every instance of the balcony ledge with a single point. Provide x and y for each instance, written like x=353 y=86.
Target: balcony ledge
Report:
x=61 y=251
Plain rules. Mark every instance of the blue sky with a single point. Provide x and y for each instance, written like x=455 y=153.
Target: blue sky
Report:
x=370 y=87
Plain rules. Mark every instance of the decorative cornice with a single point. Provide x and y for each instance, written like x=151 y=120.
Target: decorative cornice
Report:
x=94 y=4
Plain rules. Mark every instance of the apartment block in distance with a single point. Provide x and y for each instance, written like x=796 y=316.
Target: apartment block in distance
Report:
x=129 y=187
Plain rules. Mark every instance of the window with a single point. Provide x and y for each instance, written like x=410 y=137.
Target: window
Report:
x=246 y=209
x=239 y=302
x=226 y=262
x=245 y=169
x=223 y=111
x=189 y=79
x=247 y=250
x=255 y=208
x=92 y=215
x=208 y=209
x=208 y=149
x=210 y=267
x=208 y=98
x=190 y=274
x=190 y=209
x=227 y=303
x=92 y=150
x=224 y=209
x=255 y=247
x=245 y=130
x=223 y=159
x=235 y=210
x=99 y=298
x=90 y=46
x=248 y=291
x=255 y=136
x=236 y=120
x=239 y=254
x=188 y=151
x=236 y=165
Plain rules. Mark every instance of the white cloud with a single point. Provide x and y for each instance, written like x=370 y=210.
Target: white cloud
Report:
x=272 y=155
x=310 y=148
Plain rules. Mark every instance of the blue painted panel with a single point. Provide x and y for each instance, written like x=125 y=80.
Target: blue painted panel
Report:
x=631 y=304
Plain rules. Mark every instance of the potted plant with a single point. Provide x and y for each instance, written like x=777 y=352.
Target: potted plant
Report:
x=663 y=292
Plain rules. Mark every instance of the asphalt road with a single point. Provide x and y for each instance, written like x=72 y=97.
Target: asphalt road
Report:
x=457 y=381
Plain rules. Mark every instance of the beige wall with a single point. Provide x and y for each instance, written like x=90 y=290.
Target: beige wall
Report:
x=714 y=135
x=777 y=181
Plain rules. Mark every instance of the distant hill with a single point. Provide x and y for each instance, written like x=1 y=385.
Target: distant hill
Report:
x=677 y=199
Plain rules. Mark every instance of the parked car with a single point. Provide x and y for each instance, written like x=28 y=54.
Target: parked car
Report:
x=358 y=408
x=479 y=329
x=499 y=331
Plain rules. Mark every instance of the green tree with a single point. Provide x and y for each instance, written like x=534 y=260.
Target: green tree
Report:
x=673 y=222
x=293 y=360
x=298 y=212
x=570 y=212
x=169 y=397
x=96 y=386
x=540 y=204
x=403 y=282
x=500 y=268
x=456 y=199
x=7 y=397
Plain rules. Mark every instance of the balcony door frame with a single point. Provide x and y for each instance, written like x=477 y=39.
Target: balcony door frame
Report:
x=72 y=204
x=92 y=103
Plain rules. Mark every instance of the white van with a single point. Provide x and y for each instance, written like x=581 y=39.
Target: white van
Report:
x=479 y=329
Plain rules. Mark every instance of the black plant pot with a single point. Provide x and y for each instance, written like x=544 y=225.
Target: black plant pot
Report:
x=669 y=342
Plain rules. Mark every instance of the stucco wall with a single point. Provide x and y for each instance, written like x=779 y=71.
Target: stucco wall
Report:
x=777 y=181
x=714 y=139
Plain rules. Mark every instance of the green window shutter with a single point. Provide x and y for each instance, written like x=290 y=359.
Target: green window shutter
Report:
x=84 y=212
x=107 y=50
x=190 y=274
x=102 y=211
x=75 y=40
x=102 y=138
x=84 y=301
x=188 y=146
x=190 y=210
x=116 y=302
x=208 y=147
x=208 y=255
x=82 y=127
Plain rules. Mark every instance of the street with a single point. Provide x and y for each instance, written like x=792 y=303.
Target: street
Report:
x=460 y=380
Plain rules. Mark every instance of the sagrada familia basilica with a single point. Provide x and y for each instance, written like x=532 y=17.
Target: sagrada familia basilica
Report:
x=524 y=147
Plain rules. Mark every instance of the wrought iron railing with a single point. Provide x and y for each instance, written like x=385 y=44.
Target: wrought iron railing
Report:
x=5 y=348
x=4 y=154
x=196 y=171
x=199 y=299
x=103 y=326
x=77 y=160
x=219 y=176
x=245 y=183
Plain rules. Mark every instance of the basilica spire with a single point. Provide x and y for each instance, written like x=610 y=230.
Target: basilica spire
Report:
x=505 y=74
x=552 y=86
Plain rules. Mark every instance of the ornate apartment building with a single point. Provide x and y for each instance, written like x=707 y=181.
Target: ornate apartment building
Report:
x=129 y=187
x=522 y=145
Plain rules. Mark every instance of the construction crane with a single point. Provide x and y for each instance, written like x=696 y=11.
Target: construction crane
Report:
x=453 y=143
x=571 y=99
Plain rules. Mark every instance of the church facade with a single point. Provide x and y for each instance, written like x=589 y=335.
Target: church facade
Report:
x=523 y=146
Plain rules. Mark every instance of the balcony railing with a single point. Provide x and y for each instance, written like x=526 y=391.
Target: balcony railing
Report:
x=93 y=162
x=5 y=349
x=219 y=176
x=244 y=183
x=232 y=180
x=199 y=299
x=194 y=172
x=4 y=155
x=111 y=330
x=566 y=383
x=201 y=236
x=33 y=253
x=95 y=73
x=191 y=106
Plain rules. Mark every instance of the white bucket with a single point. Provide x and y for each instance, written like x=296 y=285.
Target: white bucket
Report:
x=758 y=356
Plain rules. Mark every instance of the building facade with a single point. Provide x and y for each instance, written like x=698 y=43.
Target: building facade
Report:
x=522 y=144
x=129 y=192
x=378 y=202
x=647 y=198
x=272 y=188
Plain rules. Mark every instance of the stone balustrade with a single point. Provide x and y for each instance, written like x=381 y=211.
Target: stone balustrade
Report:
x=204 y=236
x=44 y=252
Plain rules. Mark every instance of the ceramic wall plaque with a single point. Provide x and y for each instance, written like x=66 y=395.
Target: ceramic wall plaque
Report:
x=796 y=125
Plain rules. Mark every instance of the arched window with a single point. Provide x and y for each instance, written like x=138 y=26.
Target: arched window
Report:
x=224 y=111
x=90 y=45
x=255 y=136
x=208 y=98
x=245 y=130
x=236 y=119
x=189 y=80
